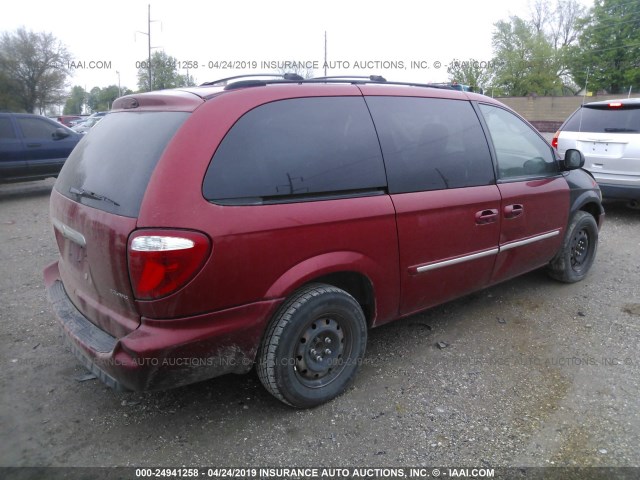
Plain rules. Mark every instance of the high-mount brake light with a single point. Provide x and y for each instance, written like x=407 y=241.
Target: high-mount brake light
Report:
x=125 y=103
x=615 y=104
x=161 y=262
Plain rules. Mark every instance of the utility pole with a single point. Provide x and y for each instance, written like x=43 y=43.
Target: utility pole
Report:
x=148 y=34
x=149 y=38
x=325 y=53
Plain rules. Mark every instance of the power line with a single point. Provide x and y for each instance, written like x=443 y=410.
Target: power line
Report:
x=611 y=7
x=612 y=23
x=613 y=48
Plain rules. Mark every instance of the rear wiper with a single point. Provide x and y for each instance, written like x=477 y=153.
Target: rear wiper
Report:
x=81 y=192
x=620 y=130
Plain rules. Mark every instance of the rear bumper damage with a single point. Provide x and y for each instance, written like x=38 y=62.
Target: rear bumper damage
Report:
x=162 y=354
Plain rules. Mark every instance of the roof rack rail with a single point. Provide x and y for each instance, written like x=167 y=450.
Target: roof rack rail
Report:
x=286 y=76
x=372 y=78
x=252 y=81
x=444 y=86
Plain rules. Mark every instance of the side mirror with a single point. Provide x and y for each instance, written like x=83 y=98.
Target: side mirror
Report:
x=60 y=133
x=573 y=159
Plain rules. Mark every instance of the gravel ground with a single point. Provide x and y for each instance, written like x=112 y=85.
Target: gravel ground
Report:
x=534 y=373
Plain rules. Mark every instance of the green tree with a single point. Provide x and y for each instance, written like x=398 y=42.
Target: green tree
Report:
x=93 y=99
x=34 y=67
x=533 y=55
x=565 y=23
x=9 y=95
x=101 y=99
x=164 y=73
x=525 y=61
x=559 y=24
x=477 y=74
x=75 y=102
x=608 y=50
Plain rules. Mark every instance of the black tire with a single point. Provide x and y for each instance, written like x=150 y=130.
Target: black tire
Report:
x=313 y=346
x=573 y=261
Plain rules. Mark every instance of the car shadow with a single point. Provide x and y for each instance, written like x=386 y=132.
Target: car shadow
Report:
x=620 y=210
x=12 y=191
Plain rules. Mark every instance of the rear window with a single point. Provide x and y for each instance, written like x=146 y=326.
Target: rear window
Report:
x=605 y=120
x=294 y=149
x=111 y=167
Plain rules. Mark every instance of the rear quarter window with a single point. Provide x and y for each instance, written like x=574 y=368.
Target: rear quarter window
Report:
x=297 y=149
x=116 y=158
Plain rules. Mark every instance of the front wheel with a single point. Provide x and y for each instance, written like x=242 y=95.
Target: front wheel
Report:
x=573 y=261
x=313 y=346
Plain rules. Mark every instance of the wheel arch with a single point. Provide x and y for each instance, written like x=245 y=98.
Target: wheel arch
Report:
x=584 y=195
x=594 y=208
x=349 y=271
x=358 y=286
x=590 y=203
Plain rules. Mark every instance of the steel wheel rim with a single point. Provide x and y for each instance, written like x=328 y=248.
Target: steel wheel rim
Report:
x=580 y=249
x=321 y=351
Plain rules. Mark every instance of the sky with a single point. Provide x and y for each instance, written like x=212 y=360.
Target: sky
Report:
x=400 y=39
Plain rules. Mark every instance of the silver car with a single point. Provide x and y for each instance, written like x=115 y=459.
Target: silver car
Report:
x=608 y=134
x=84 y=126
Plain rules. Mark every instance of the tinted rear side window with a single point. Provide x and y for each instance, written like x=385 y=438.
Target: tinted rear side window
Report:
x=116 y=159
x=6 y=129
x=431 y=143
x=37 y=128
x=605 y=120
x=292 y=149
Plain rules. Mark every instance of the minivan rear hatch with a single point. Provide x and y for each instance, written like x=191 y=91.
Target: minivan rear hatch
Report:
x=94 y=208
x=608 y=133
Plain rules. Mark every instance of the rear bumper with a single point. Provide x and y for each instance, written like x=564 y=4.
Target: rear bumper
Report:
x=618 y=187
x=162 y=354
x=620 y=192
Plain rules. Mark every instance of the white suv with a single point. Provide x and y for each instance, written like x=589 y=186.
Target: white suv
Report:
x=608 y=134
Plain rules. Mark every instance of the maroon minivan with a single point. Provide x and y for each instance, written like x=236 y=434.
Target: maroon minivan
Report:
x=273 y=222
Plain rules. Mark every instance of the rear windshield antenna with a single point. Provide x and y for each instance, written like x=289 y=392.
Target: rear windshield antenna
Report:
x=584 y=95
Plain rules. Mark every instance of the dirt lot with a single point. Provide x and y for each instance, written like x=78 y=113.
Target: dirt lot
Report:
x=536 y=373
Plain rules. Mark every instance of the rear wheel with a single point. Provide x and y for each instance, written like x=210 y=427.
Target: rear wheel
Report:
x=313 y=346
x=573 y=261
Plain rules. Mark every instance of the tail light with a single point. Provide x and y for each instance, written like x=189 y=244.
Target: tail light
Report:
x=554 y=141
x=163 y=261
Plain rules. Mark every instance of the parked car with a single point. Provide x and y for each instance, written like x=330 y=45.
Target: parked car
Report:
x=608 y=134
x=33 y=147
x=98 y=114
x=86 y=125
x=78 y=120
x=273 y=222
x=67 y=120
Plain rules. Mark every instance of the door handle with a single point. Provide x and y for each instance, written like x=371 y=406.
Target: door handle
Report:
x=513 y=211
x=489 y=215
x=34 y=144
